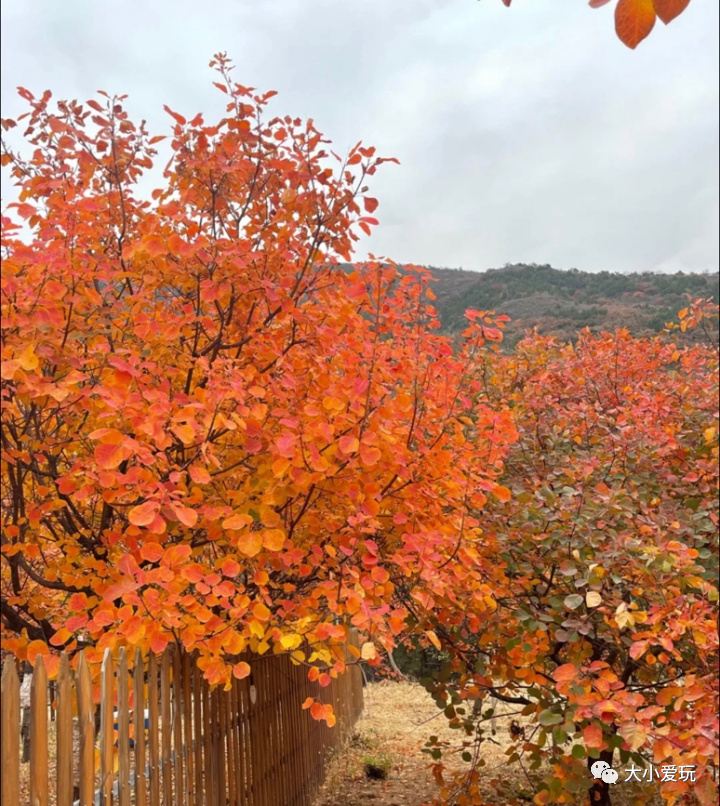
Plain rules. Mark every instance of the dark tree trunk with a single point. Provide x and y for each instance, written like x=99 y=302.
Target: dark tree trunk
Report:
x=599 y=794
x=25 y=735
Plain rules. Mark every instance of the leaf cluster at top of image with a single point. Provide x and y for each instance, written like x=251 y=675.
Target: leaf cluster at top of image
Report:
x=212 y=434
x=635 y=19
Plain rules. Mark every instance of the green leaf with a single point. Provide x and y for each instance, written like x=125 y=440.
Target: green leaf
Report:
x=548 y=717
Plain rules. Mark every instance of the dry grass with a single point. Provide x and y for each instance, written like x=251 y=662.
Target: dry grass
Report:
x=397 y=721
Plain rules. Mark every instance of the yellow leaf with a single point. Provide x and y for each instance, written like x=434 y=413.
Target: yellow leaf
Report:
x=291 y=641
x=709 y=434
x=434 y=640
x=257 y=629
x=634 y=734
x=593 y=599
x=368 y=651
x=28 y=359
x=623 y=617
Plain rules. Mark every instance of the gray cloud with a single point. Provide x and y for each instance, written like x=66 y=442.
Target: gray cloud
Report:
x=528 y=134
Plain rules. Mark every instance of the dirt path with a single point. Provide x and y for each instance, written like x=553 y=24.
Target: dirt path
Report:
x=396 y=723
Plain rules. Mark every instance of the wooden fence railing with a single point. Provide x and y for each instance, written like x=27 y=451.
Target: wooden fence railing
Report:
x=166 y=738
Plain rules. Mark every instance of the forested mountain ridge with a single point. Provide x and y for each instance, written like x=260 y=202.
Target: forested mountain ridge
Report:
x=561 y=303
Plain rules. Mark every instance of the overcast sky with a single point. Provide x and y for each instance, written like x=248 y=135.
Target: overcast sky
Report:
x=528 y=134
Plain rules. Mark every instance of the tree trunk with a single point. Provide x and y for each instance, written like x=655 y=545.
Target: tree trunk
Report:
x=394 y=667
x=599 y=794
x=25 y=735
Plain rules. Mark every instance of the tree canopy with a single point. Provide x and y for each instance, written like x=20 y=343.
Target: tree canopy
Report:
x=213 y=434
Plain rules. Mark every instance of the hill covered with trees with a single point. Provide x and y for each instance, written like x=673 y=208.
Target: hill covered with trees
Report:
x=560 y=303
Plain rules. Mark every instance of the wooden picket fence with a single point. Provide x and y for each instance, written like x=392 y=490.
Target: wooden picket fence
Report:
x=166 y=738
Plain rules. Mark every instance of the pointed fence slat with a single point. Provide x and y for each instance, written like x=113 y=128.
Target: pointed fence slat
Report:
x=107 y=737
x=86 y=730
x=166 y=738
x=64 y=726
x=139 y=728
x=123 y=723
x=166 y=729
x=10 y=734
x=153 y=731
x=198 y=735
x=39 y=735
x=178 y=738
x=188 y=734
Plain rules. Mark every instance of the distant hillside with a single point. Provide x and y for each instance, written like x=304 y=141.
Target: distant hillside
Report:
x=560 y=303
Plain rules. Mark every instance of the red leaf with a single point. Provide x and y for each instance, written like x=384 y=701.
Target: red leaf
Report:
x=370 y=204
x=179 y=118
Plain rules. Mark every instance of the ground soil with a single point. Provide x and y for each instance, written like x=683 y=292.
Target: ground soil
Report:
x=396 y=723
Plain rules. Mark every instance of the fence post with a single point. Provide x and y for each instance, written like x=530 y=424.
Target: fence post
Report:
x=106 y=730
x=123 y=723
x=64 y=743
x=10 y=715
x=86 y=725
x=153 y=733
x=39 y=735
x=139 y=727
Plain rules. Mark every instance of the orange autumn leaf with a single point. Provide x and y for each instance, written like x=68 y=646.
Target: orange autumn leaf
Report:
x=241 y=670
x=593 y=736
x=237 y=522
x=273 y=539
x=247 y=443
x=634 y=19
x=152 y=552
x=249 y=544
x=143 y=514
x=667 y=10
x=36 y=648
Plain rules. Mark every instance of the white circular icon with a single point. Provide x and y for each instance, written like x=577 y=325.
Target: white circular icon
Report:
x=598 y=768
x=609 y=776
